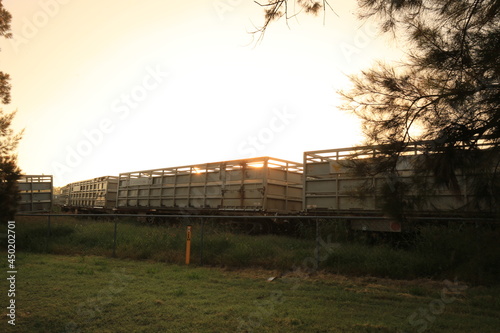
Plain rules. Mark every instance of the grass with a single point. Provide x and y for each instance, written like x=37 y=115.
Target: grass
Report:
x=81 y=293
x=469 y=253
x=221 y=246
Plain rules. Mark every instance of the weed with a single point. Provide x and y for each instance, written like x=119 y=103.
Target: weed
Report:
x=179 y=292
x=152 y=270
x=85 y=271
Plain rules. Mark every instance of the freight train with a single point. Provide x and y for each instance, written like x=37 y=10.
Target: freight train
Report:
x=325 y=184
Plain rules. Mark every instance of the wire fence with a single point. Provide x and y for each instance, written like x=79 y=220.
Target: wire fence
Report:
x=302 y=228
x=454 y=247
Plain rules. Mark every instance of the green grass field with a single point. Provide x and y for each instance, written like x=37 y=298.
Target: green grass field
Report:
x=81 y=293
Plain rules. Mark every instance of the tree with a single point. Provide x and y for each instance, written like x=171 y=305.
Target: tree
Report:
x=9 y=171
x=446 y=92
x=276 y=9
x=449 y=88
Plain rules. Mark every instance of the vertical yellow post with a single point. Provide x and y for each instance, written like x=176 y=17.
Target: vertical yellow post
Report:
x=188 y=244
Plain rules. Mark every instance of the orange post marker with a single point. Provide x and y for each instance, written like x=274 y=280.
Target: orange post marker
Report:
x=188 y=244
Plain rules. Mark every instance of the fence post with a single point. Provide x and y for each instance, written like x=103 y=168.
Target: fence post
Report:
x=188 y=244
x=317 y=243
x=114 y=239
x=201 y=241
x=48 y=226
x=48 y=234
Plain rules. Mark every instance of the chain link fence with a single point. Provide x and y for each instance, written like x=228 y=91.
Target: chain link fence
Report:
x=436 y=250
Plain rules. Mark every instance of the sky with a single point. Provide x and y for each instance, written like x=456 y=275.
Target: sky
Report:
x=104 y=87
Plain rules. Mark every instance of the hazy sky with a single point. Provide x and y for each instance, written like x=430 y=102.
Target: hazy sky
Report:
x=103 y=87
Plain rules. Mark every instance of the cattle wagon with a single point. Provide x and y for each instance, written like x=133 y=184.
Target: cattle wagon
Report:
x=92 y=195
x=262 y=185
x=35 y=193
x=333 y=185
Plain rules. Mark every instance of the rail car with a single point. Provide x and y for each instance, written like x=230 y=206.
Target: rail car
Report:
x=35 y=193
x=264 y=185
x=333 y=186
x=96 y=195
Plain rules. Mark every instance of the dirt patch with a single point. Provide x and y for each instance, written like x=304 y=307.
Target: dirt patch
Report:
x=366 y=282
